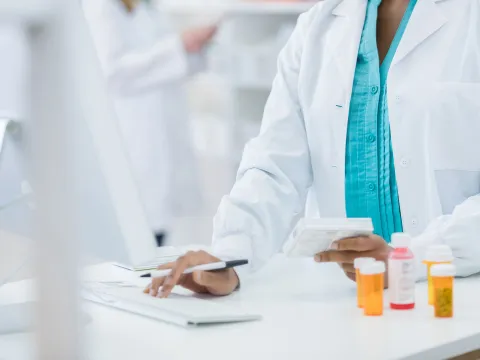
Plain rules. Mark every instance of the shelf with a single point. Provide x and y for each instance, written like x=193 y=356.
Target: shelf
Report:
x=240 y=8
x=252 y=86
x=32 y=11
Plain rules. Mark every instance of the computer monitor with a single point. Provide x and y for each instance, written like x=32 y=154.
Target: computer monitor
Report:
x=68 y=87
x=109 y=216
x=110 y=213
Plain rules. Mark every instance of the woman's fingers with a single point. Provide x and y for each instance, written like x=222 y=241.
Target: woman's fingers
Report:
x=214 y=282
x=152 y=289
x=348 y=268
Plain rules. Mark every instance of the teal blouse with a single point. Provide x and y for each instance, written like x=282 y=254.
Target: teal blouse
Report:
x=370 y=183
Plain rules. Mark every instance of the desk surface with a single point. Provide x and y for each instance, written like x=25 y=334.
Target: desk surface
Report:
x=309 y=313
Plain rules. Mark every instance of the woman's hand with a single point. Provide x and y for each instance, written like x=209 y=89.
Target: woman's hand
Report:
x=194 y=40
x=222 y=282
x=345 y=251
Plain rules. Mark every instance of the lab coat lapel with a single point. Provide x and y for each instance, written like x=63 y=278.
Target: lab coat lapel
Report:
x=426 y=20
x=351 y=17
x=342 y=47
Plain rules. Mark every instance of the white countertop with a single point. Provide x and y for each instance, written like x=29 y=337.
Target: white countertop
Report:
x=309 y=312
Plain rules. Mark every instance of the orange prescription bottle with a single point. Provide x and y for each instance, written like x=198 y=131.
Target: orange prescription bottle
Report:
x=442 y=276
x=357 y=264
x=373 y=285
x=436 y=254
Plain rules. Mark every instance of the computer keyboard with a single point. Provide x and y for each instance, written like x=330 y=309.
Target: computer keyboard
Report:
x=177 y=309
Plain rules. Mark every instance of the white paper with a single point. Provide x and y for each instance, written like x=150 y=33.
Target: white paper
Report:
x=312 y=236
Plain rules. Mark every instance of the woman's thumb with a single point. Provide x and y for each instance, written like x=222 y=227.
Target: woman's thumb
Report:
x=217 y=283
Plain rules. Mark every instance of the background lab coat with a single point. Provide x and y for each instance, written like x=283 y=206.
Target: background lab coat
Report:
x=433 y=99
x=15 y=63
x=145 y=65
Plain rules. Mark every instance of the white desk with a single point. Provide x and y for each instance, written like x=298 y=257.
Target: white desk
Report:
x=309 y=313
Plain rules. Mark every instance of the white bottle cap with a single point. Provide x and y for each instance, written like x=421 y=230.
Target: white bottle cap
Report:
x=439 y=253
x=377 y=267
x=359 y=262
x=443 y=270
x=401 y=240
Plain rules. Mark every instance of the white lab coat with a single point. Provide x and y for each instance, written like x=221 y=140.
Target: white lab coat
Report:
x=433 y=99
x=15 y=72
x=146 y=66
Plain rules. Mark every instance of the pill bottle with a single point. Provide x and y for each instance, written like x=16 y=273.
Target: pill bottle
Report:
x=443 y=278
x=373 y=283
x=436 y=254
x=401 y=273
x=357 y=264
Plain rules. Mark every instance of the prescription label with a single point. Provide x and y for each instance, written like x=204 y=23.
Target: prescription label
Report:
x=401 y=281
x=444 y=302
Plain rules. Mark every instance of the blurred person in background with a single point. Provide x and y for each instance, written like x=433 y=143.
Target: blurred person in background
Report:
x=15 y=72
x=146 y=65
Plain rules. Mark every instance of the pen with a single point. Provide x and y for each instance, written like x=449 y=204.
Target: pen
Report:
x=217 y=266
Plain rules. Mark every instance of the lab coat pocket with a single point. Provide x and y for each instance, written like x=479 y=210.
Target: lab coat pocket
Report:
x=454 y=126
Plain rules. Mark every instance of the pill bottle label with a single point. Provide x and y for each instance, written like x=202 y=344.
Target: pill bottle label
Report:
x=443 y=302
x=401 y=281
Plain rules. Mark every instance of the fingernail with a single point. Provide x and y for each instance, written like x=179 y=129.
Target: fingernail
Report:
x=152 y=292
x=334 y=246
x=160 y=294
x=318 y=258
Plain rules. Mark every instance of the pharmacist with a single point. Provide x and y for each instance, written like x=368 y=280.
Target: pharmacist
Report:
x=146 y=64
x=375 y=106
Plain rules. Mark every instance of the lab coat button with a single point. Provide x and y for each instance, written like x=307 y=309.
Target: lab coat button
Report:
x=414 y=222
x=371 y=138
x=398 y=99
x=374 y=90
x=405 y=162
x=371 y=186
